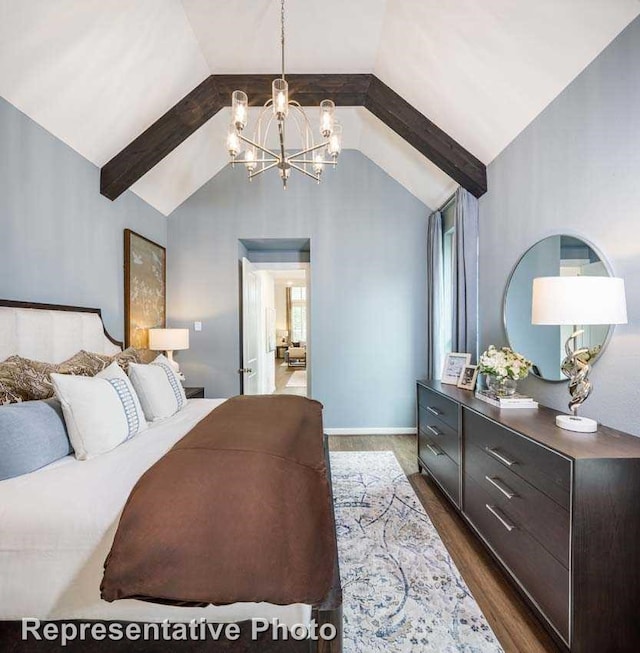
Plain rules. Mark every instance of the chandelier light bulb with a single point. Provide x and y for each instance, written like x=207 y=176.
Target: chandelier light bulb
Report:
x=335 y=141
x=280 y=93
x=285 y=171
x=327 y=112
x=318 y=165
x=233 y=142
x=250 y=159
x=239 y=109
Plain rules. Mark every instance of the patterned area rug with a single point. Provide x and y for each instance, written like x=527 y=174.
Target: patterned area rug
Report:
x=298 y=379
x=402 y=592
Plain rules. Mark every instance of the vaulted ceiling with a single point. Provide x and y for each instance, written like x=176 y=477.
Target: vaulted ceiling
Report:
x=96 y=74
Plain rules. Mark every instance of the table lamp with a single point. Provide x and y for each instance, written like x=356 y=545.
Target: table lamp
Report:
x=169 y=340
x=578 y=301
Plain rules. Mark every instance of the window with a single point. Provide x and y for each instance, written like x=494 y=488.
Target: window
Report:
x=298 y=314
x=298 y=294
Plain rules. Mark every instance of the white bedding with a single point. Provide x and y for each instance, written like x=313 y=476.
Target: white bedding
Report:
x=57 y=525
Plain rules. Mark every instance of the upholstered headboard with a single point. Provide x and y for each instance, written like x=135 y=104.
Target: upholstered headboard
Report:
x=52 y=333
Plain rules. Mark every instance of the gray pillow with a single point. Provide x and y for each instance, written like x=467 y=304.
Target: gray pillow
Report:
x=32 y=435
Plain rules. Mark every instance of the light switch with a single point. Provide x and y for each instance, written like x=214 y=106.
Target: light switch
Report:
x=197 y=326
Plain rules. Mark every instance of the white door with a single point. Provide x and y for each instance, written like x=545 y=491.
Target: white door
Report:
x=250 y=306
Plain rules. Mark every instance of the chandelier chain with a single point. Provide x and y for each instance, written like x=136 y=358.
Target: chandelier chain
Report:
x=282 y=33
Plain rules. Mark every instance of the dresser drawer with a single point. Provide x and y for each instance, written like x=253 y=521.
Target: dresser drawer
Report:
x=547 y=471
x=444 y=470
x=438 y=406
x=440 y=432
x=541 y=517
x=544 y=578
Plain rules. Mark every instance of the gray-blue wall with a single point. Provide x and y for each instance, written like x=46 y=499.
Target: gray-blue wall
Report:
x=575 y=169
x=367 y=284
x=61 y=242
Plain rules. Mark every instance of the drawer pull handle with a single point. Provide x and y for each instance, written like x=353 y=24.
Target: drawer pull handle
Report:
x=434 y=451
x=434 y=430
x=500 y=457
x=499 y=485
x=434 y=411
x=499 y=517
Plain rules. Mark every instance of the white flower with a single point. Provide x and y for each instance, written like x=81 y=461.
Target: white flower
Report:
x=504 y=363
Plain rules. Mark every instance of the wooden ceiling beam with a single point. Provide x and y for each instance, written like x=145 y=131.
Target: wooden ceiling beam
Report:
x=366 y=90
x=426 y=137
x=308 y=90
x=161 y=138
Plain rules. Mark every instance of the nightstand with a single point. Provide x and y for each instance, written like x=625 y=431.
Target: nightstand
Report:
x=194 y=393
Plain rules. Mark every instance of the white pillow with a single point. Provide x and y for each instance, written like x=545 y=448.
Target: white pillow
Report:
x=100 y=412
x=159 y=388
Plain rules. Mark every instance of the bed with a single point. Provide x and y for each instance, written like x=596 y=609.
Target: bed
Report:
x=58 y=523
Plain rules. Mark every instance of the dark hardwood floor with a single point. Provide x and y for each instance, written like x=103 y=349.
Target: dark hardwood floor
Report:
x=511 y=619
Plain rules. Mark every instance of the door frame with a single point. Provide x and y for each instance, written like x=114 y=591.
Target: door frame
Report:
x=286 y=265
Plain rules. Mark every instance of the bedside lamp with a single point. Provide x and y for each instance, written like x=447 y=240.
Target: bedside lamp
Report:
x=283 y=335
x=169 y=340
x=578 y=301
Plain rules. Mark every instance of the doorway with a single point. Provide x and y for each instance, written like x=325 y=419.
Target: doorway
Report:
x=291 y=364
x=275 y=323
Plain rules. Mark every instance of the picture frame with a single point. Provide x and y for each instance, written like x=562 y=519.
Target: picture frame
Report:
x=145 y=288
x=454 y=362
x=468 y=377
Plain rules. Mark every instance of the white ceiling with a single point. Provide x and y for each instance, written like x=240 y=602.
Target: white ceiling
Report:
x=243 y=36
x=482 y=70
x=96 y=73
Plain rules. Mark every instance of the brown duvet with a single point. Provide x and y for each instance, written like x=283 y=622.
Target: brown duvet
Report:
x=238 y=510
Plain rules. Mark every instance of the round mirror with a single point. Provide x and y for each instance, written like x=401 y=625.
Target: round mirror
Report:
x=544 y=345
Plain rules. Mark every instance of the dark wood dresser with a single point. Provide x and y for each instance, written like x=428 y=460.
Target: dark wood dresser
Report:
x=559 y=511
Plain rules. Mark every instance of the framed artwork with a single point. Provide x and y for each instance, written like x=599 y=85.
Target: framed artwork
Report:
x=454 y=363
x=468 y=377
x=270 y=322
x=145 y=288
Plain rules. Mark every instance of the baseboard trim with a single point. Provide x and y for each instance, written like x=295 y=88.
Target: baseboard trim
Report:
x=372 y=431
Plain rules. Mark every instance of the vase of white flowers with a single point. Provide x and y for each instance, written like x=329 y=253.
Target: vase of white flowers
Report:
x=501 y=385
x=503 y=369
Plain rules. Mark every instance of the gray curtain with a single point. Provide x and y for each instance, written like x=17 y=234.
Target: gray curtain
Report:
x=435 y=294
x=465 y=286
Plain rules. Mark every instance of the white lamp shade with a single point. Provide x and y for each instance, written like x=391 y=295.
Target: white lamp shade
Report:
x=168 y=339
x=578 y=301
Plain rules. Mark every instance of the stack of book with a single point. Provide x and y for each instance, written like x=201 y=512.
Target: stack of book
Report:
x=513 y=401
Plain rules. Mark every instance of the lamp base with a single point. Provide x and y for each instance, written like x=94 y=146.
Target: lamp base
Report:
x=575 y=423
x=174 y=365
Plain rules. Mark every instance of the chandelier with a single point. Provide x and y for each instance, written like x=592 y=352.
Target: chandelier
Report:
x=310 y=159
